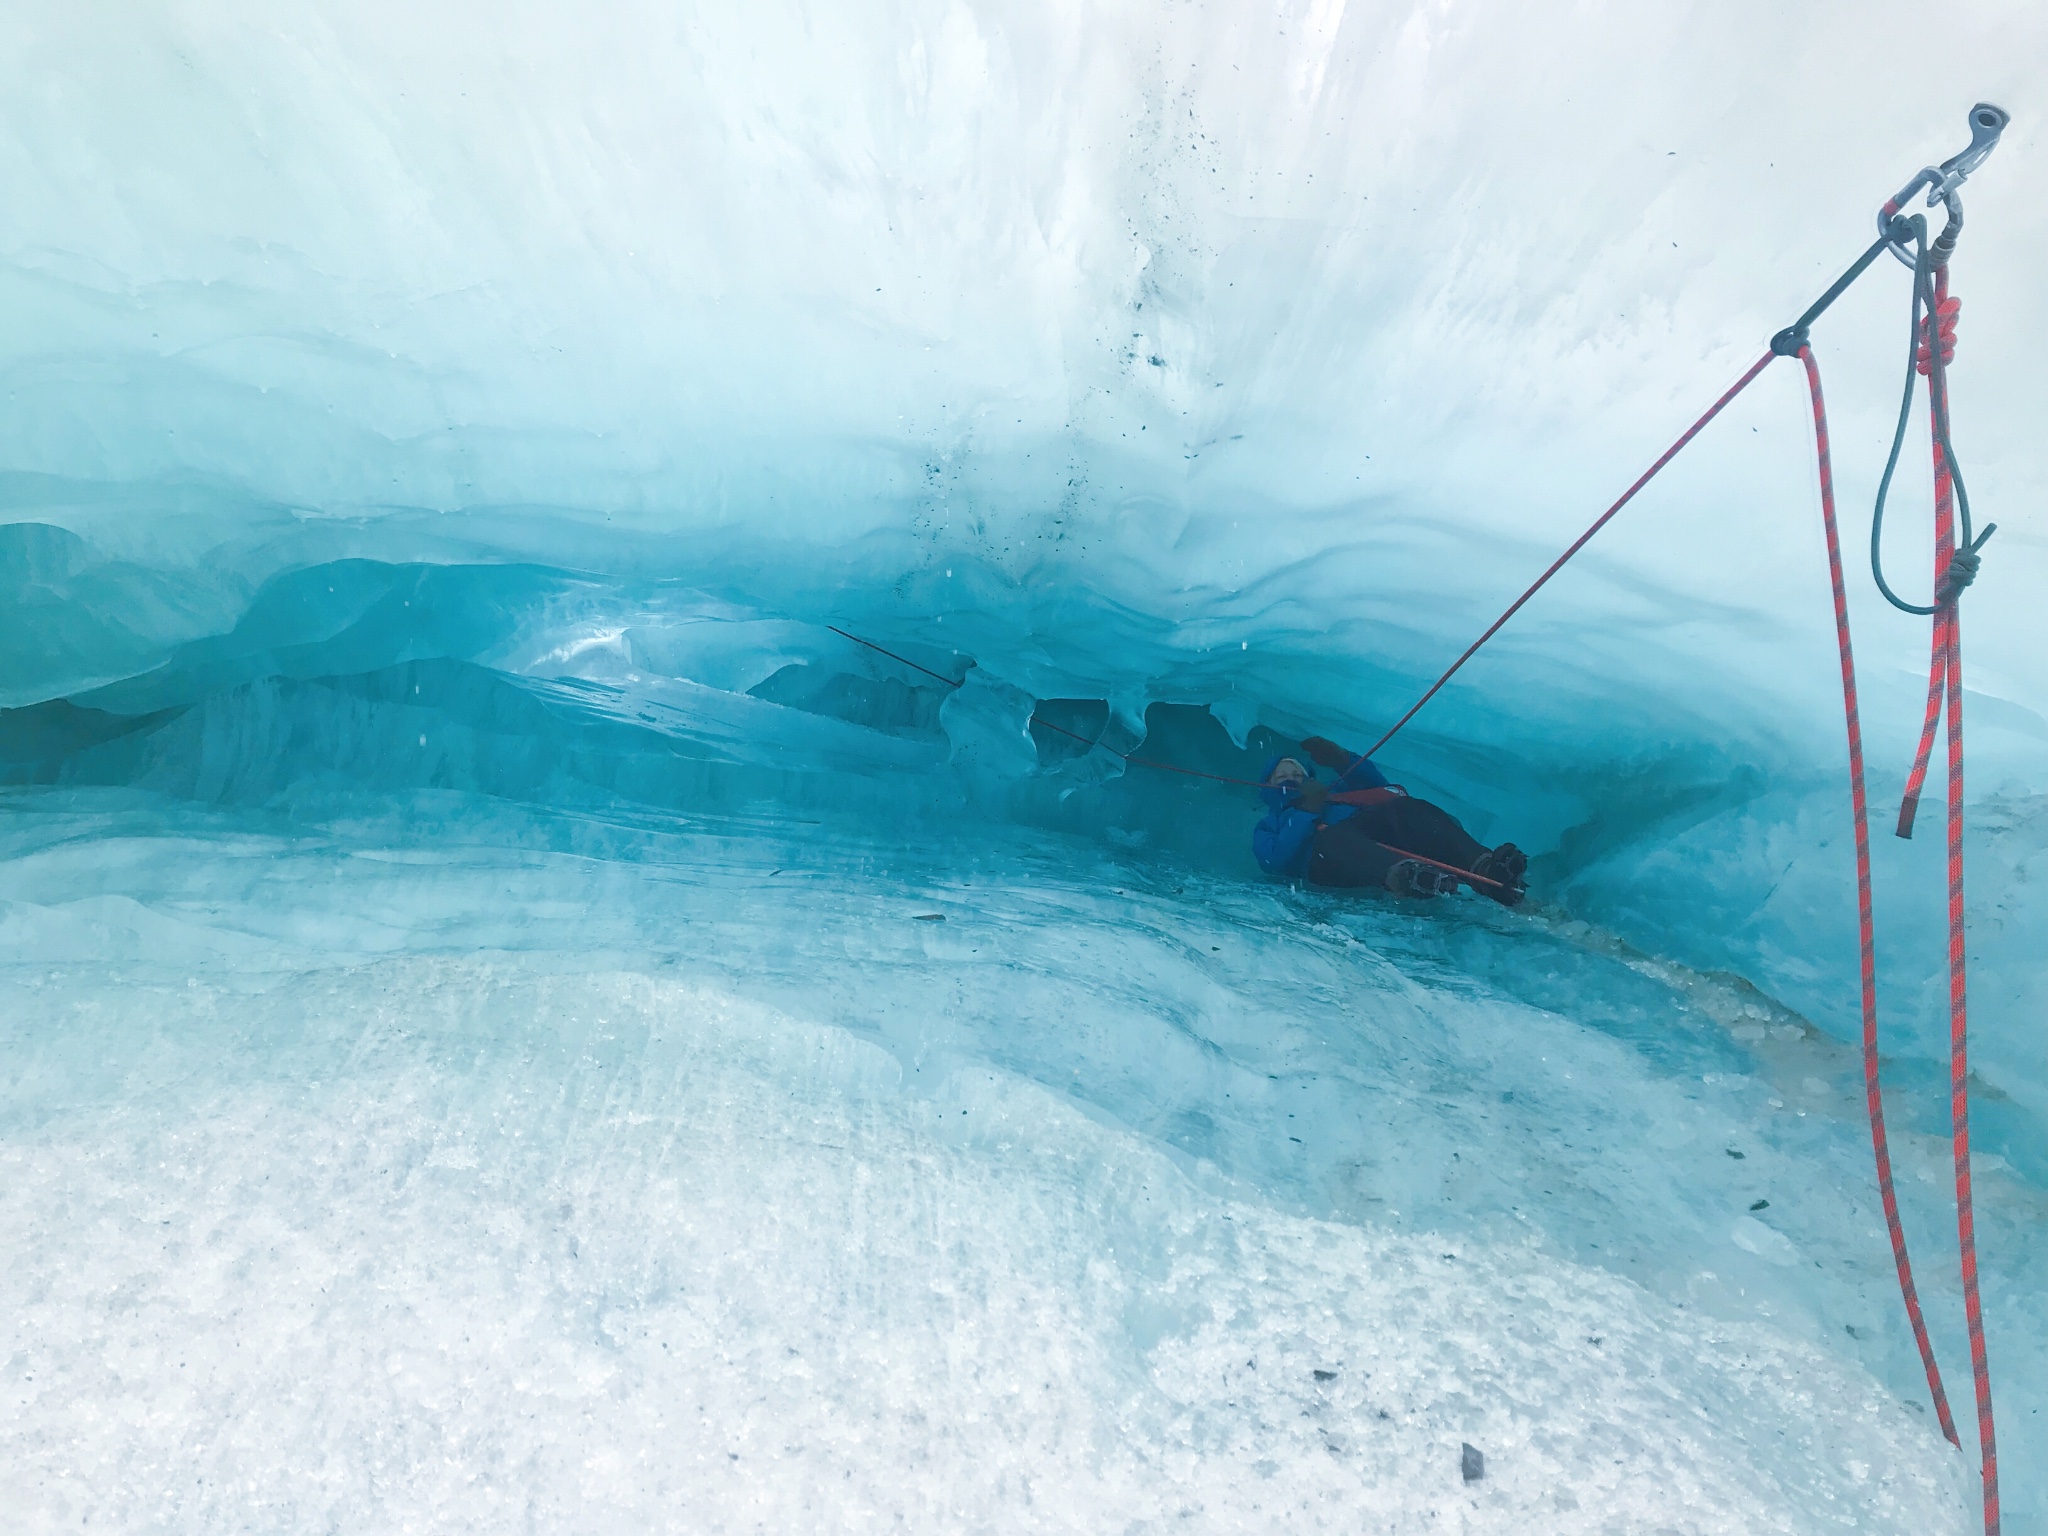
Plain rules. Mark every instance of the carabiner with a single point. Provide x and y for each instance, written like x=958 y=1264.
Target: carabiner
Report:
x=1944 y=185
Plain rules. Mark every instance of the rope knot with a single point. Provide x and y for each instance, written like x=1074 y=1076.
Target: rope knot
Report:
x=1961 y=570
x=1943 y=324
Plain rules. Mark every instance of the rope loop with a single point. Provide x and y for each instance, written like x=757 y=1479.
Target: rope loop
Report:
x=1931 y=346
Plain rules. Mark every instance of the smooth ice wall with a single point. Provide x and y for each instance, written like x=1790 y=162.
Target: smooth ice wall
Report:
x=1246 y=357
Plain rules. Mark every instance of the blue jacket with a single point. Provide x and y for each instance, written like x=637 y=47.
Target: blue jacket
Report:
x=1281 y=840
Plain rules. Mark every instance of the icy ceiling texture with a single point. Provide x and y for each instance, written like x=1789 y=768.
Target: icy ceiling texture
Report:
x=1244 y=359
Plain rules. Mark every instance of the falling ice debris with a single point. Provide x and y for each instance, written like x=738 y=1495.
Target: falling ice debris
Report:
x=1472 y=1463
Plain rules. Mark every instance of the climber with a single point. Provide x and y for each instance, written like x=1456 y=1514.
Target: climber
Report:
x=1358 y=830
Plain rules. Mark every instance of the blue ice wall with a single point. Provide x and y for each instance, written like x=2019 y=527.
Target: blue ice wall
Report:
x=509 y=399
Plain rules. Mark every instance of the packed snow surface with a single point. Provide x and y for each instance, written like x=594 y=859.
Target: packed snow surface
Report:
x=516 y=1016
x=1045 y=1190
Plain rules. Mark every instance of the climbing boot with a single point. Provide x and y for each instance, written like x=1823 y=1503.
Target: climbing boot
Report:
x=1412 y=877
x=1504 y=867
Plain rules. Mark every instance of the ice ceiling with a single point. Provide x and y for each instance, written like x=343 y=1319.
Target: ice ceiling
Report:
x=1243 y=359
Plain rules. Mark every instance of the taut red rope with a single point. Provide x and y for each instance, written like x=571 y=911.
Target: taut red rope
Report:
x=1577 y=544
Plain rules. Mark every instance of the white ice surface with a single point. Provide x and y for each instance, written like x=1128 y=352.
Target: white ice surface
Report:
x=609 y=1176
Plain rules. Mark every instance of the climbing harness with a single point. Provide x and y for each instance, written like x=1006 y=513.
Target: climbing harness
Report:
x=1958 y=549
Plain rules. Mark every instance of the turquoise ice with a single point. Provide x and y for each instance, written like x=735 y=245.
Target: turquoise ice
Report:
x=512 y=1018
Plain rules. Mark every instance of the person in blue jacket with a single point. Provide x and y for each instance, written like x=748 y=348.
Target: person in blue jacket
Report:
x=1362 y=831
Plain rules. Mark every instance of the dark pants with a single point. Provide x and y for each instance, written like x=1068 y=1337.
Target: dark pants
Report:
x=1360 y=849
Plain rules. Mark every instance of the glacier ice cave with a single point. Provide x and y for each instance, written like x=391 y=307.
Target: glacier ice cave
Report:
x=564 y=968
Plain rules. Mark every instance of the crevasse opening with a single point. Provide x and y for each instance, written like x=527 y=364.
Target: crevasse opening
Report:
x=519 y=1014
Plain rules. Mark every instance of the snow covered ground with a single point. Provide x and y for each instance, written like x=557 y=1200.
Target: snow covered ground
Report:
x=468 y=1166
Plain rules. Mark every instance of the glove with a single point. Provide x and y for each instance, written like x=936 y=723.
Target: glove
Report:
x=1327 y=753
x=1312 y=796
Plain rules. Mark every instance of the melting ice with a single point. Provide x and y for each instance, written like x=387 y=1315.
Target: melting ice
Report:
x=514 y=1017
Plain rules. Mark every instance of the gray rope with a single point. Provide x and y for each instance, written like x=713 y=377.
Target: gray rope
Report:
x=1963 y=566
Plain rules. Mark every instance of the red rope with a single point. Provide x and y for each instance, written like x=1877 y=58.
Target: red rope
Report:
x=1449 y=869
x=1578 y=544
x=1959 y=1082
x=1946 y=680
x=1937 y=676
x=1948 y=650
x=1873 y=1094
x=1939 y=329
